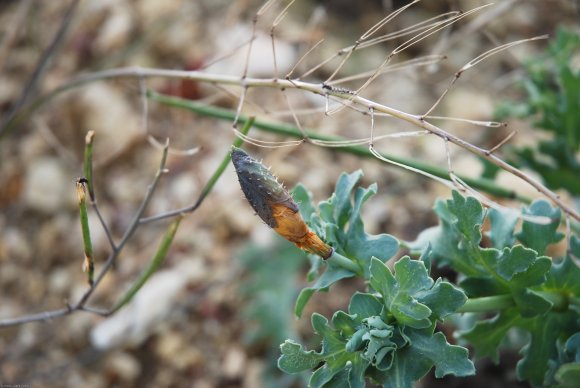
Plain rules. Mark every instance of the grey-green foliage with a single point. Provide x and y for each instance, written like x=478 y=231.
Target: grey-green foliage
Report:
x=552 y=86
x=388 y=334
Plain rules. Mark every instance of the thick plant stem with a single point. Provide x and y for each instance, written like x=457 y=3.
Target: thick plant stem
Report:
x=487 y=303
x=344 y=262
x=502 y=302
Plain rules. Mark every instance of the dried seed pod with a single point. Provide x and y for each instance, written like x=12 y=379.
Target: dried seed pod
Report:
x=274 y=205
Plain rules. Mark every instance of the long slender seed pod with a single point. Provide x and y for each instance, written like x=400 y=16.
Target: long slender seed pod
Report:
x=274 y=205
x=88 y=263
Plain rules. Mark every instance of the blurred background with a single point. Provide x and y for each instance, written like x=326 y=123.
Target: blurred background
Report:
x=215 y=313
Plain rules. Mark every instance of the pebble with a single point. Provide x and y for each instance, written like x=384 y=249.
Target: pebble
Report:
x=103 y=107
x=14 y=245
x=115 y=31
x=234 y=363
x=47 y=187
x=59 y=280
x=123 y=366
x=260 y=63
x=140 y=318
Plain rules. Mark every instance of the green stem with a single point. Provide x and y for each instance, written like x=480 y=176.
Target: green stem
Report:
x=88 y=163
x=153 y=266
x=291 y=131
x=344 y=262
x=501 y=302
x=487 y=303
x=88 y=264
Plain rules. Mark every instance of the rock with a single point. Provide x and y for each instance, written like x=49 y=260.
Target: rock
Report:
x=122 y=366
x=47 y=187
x=174 y=348
x=260 y=63
x=14 y=245
x=108 y=112
x=151 y=305
x=115 y=31
x=234 y=363
x=59 y=281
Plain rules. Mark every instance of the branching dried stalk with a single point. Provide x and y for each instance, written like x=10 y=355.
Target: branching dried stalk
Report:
x=319 y=89
x=80 y=305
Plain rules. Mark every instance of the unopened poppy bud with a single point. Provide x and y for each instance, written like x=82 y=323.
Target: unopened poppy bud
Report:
x=274 y=205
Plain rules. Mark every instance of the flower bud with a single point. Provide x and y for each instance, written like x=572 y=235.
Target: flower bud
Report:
x=274 y=205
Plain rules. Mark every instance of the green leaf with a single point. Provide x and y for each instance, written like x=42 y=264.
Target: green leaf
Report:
x=515 y=260
x=448 y=359
x=503 y=223
x=331 y=275
x=295 y=359
x=361 y=245
x=537 y=236
x=339 y=364
x=568 y=375
x=364 y=305
x=425 y=351
x=396 y=292
x=455 y=241
x=443 y=299
x=468 y=214
x=342 y=203
x=544 y=333
x=339 y=223
x=553 y=101
x=563 y=276
x=303 y=199
x=565 y=370
x=486 y=336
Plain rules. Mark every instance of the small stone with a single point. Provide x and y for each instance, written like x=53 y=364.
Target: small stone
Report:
x=234 y=363
x=109 y=113
x=114 y=33
x=59 y=281
x=254 y=374
x=140 y=318
x=183 y=189
x=47 y=186
x=123 y=366
x=260 y=63
x=14 y=245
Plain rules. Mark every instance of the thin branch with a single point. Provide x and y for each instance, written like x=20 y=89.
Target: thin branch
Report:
x=291 y=131
x=316 y=89
x=11 y=29
x=474 y=62
x=501 y=143
x=88 y=173
x=80 y=305
x=42 y=64
x=248 y=123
